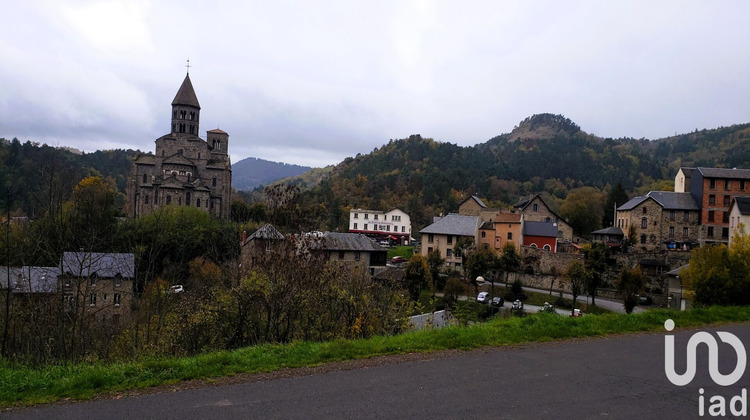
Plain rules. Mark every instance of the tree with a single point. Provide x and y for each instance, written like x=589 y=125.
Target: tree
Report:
x=630 y=283
x=595 y=261
x=576 y=277
x=453 y=289
x=617 y=196
x=718 y=275
x=415 y=276
x=479 y=262
x=509 y=260
x=583 y=210
x=435 y=263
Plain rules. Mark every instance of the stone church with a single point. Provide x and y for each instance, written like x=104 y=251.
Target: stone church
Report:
x=185 y=170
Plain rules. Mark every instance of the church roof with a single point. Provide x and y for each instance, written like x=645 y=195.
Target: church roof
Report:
x=186 y=94
x=145 y=159
x=178 y=159
x=217 y=131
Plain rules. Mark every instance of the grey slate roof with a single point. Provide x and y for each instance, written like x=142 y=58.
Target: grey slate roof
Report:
x=186 y=94
x=743 y=205
x=335 y=241
x=540 y=229
x=667 y=199
x=724 y=173
x=105 y=265
x=178 y=159
x=454 y=224
x=29 y=279
x=612 y=230
x=266 y=232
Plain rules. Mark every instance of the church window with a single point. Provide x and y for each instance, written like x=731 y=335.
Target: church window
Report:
x=145 y=199
x=197 y=202
x=199 y=155
x=144 y=178
x=169 y=199
x=189 y=175
x=187 y=198
x=213 y=182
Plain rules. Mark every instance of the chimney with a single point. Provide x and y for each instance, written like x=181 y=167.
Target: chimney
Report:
x=244 y=237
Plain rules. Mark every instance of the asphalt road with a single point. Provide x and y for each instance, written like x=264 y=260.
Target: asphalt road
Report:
x=614 y=377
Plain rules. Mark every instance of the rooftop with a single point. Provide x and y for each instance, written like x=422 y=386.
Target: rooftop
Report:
x=454 y=224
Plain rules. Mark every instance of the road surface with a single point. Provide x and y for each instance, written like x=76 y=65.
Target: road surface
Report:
x=608 y=378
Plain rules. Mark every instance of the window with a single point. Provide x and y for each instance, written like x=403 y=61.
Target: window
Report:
x=547 y=248
x=710 y=215
x=710 y=232
x=341 y=255
x=355 y=226
x=742 y=184
x=686 y=216
x=685 y=232
x=403 y=229
x=429 y=249
x=118 y=279
x=197 y=202
x=484 y=234
x=510 y=236
x=213 y=182
x=144 y=178
x=145 y=199
x=671 y=215
x=93 y=279
x=430 y=238
x=645 y=210
x=536 y=207
x=367 y=216
x=365 y=226
x=711 y=200
x=644 y=223
x=533 y=245
x=725 y=217
x=712 y=184
x=385 y=217
x=449 y=253
x=671 y=231
x=356 y=215
x=92 y=299
x=643 y=239
x=376 y=217
x=724 y=233
x=187 y=198
x=357 y=255
x=727 y=185
x=726 y=200
x=388 y=228
x=450 y=239
x=169 y=199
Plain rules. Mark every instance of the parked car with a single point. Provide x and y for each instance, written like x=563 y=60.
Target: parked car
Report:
x=497 y=301
x=644 y=300
x=398 y=259
x=177 y=288
x=483 y=297
x=517 y=305
x=577 y=313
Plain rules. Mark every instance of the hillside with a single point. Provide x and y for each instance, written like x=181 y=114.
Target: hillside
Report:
x=544 y=153
x=253 y=172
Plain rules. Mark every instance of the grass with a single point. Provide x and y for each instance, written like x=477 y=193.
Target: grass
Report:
x=401 y=251
x=21 y=385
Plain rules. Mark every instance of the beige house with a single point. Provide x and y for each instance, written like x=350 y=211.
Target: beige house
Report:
x=739 y=215
x=445 y=232
x=535 y=209
x=503 y=228
x=662 y=220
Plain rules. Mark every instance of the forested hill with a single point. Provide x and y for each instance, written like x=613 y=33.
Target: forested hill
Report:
x=252 y=172
x=545 y=152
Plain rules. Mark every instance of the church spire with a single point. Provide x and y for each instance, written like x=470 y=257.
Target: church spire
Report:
x=186 y=109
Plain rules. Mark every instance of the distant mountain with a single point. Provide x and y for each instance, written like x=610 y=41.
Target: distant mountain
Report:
x=253 y=172
x=544 y=153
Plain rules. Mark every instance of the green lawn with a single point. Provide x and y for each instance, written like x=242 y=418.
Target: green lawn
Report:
x=401 y=251
x=29 y=385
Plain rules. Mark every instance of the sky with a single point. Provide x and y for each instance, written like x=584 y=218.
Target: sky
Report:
x=314 y=82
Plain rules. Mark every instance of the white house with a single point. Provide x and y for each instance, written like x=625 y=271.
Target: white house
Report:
x=393 y=225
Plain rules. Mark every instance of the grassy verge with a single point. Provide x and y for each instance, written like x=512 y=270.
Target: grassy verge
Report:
x=25 y=385
x=401 y=251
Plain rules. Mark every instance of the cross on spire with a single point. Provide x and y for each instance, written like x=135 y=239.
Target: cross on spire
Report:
x=188 y=66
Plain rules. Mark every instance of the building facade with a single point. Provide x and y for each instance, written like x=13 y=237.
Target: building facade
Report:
x=393 y=225
x=535 y=209
x=443 y=235
x=661 y=220
x=503 y=228
x=739 y=216
x=185 y=170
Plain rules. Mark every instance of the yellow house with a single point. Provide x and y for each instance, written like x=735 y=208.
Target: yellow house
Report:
x=445 y=232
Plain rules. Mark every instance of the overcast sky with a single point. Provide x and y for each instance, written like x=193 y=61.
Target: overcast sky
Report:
x=311 y=83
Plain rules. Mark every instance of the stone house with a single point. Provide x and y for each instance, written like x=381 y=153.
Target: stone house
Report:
x=262 y=241
x=739 y=214
x=100 y=285
x=354 y=249
x=662 y=220
x=185 y=170
x=472 y=206
x=445 y=232
x=535 y=209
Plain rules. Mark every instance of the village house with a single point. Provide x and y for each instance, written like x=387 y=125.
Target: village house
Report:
x=443 y=234
x=101 y=284
x=542 y=235
x=739 y=214
x=352 y=248
x=535 y=209
x=713 y=190
x=393 y=226
x=661 y=220
x=262 y=241
x=502 y=228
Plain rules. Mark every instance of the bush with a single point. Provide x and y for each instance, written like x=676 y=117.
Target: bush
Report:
x=517 y=287
x=563 y=303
